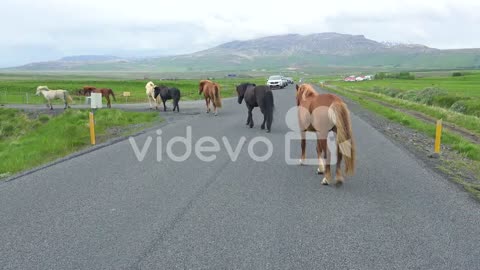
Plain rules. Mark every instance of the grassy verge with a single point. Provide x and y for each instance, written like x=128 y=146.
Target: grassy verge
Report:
x=457 y=142
x=469 y=122
x=31 y=140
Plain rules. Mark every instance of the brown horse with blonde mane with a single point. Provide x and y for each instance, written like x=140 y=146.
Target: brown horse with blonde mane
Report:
x=106 y=92
x=211 y=92
x=322 y=113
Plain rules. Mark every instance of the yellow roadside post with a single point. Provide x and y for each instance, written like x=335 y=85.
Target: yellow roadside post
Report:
x=438 y=136
x=92 y=128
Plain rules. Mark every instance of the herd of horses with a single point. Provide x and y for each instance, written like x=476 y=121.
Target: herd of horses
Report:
x=318 y=113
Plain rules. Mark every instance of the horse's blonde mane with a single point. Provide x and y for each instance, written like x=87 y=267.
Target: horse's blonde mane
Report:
x=150 y=84
x=43 y=87
x=306 y=91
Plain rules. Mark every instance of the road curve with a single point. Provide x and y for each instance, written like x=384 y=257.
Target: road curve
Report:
x=105 y=209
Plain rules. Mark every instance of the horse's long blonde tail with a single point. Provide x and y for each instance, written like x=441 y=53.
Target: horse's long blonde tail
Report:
x=340 y=116
x=216 y=97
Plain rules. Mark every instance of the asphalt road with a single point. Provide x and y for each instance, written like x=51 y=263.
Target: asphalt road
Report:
x=107 y=210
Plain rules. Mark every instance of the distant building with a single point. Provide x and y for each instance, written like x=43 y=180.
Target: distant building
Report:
x=349 y=79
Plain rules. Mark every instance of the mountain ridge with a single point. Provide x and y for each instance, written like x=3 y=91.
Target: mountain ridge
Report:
x=281 y=52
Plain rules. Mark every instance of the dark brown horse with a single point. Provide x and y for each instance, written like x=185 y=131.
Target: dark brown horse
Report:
x=322 y=113
x=257 y=96
x=106 y=92
x=211 y=92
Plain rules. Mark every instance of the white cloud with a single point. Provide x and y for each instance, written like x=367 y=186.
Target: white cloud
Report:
x=40 y=30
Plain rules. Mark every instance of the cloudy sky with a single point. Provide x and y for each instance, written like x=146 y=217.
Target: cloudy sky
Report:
x=35 y=30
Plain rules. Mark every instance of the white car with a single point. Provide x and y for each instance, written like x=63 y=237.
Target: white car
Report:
x=275 y=81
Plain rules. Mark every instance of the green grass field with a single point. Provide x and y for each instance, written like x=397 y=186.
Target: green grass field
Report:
x=21 y=90
x=463 y=86
x=29 y=140
x=456 y=100
x=460 y=94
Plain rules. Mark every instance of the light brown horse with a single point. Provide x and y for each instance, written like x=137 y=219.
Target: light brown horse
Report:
x=106 y=92
x=322 y=113
x=211 y=92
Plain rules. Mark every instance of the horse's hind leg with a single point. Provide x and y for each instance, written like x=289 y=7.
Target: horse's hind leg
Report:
x=264 y=120
x=150 y=102
x=303 y=143
x=207 y=101
x=109 y=105
x=338 y=170
x=322 y=149
x=250 y=117
x=321 y=165
x=164 y=106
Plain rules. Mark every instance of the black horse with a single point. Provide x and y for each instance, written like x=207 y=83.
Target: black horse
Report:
x=167 y=93
x=257 y=96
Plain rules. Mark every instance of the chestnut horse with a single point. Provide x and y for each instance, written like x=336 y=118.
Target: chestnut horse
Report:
x=211 y=92
x=322 y=113
x=106 y=92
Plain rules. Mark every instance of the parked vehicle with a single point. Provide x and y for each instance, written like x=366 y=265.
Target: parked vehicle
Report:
x=275 y=81
x=289 y=80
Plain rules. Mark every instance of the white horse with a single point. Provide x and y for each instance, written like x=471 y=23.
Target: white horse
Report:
x=150 y=90
x=50 y=95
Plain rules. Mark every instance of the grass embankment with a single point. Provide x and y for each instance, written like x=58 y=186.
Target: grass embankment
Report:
x=22 y=91
x=28 y=140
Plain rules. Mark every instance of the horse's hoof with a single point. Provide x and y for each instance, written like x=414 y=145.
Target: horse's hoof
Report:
x=319 y=171
x=300 y=162
x=262 y=127
x=338 y=183
x=325 y=182
x=268 y=130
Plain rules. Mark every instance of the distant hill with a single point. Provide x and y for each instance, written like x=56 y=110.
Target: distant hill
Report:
x=89 y=58
x=283 y=52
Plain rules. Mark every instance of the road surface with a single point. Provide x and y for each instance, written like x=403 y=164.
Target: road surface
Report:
x=107 y=210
